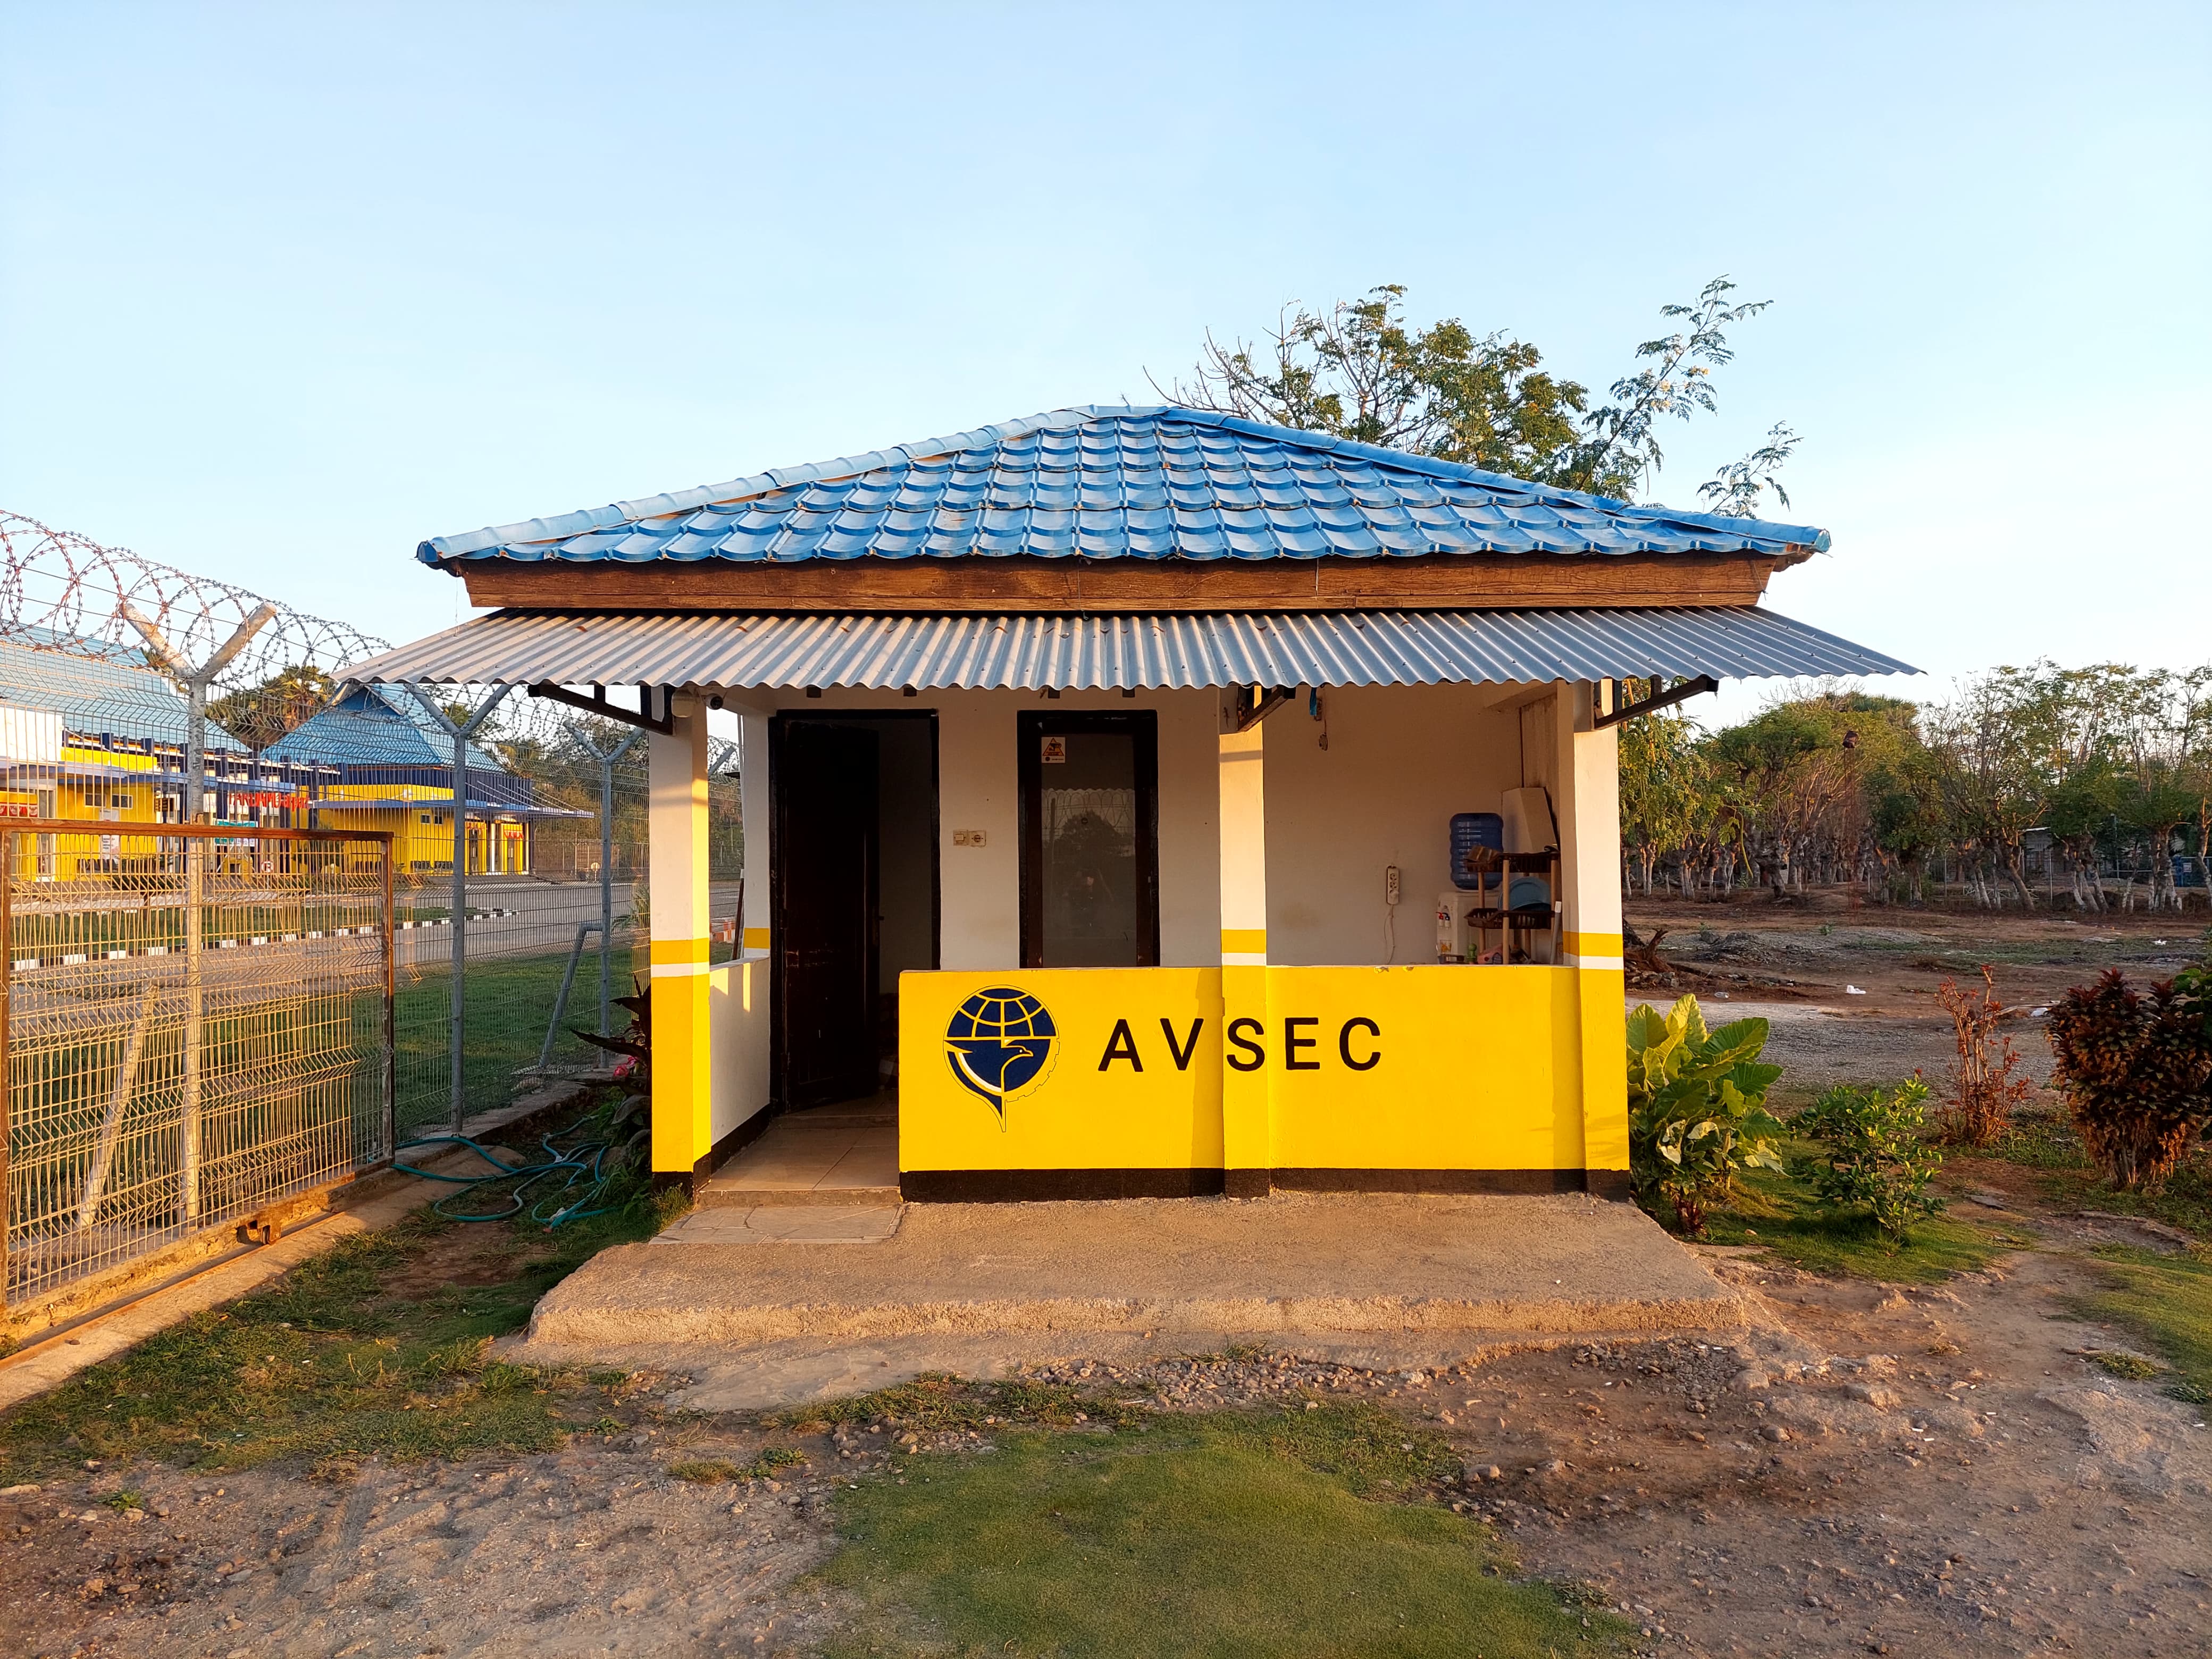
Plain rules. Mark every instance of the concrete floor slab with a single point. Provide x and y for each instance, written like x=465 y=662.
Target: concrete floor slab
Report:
x=1389 y=1279
x=843 y=1156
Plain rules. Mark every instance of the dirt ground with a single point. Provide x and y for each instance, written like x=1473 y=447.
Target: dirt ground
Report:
x=1850 y=987
x=1909 y=1470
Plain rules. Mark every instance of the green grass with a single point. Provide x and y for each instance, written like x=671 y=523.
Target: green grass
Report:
x=1779 y=1212
x=709 y=1471
x=509 y=1003
x=2167 y=1301
x=374 y=1348
x=935 y=1403
x=1232 y=1534
x=2045 y=1141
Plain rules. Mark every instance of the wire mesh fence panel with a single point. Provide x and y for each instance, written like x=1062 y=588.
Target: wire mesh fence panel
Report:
x=525 y=937
x=197 y=1028
x=533 y=945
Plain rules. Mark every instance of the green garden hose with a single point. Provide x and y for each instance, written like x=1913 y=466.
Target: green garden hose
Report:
x=579 y=1164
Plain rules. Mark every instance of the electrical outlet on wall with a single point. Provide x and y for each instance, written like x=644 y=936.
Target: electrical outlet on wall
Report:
x=1389 y=883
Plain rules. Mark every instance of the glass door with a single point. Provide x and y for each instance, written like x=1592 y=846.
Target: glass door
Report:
x=1089 y=856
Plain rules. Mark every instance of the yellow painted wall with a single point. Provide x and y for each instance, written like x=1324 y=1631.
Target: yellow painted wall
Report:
x=414 y=843
x=418 y=846
x=1424 y=1067
x=76 y=797
x=1083 y=1112
x=1471 y=1068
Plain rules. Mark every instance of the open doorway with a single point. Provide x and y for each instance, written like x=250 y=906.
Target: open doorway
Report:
x=855 y=898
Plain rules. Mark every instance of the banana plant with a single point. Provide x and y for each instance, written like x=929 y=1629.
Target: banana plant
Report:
x=1697 y=1108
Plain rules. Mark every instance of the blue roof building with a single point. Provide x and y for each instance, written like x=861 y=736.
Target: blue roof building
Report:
x=371 y=727
x=1163 y=802
x=1119 y=482
x=97 y=689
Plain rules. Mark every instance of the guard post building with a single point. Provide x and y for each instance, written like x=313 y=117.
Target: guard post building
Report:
x=1112 y=780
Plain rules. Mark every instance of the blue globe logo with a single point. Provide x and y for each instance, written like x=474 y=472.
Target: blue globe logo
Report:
x=1000 y=1042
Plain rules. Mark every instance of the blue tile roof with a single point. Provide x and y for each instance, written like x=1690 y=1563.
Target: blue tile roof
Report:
x=96 y=687
x=371 y=727
x=1116 y=483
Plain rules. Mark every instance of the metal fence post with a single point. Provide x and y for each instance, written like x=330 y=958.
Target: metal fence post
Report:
x=461 y=733
x=607 y=885
x=608 y=760
x=195 y=999
x=607 y=763
x=7 y=1057
x=461 y=915
x=388 y=1105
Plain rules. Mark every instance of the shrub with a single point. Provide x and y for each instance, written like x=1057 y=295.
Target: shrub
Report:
x=2134 y=1071
x=1697 y=1110
x=1872 y=1152
x=1981 y=1094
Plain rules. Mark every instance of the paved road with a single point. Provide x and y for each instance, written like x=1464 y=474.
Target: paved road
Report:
x=507 y=919
x=515 y=918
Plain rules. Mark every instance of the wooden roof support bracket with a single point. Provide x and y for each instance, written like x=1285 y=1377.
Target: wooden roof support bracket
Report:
x=1254 y=705
x=1682 y=693
x=597 y=703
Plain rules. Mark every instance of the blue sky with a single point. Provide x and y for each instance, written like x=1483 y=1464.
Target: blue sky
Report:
x=284 y=289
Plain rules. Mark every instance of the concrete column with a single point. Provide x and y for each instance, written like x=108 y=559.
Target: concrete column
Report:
x=1589 y=807
x=753 y=939
x=682 y=1076
x=1247 y=1141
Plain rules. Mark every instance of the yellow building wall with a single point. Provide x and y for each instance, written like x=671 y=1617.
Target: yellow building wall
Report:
x=90 y=800
x=419 y=846
x=1429 y=1068
x=1132 y=1079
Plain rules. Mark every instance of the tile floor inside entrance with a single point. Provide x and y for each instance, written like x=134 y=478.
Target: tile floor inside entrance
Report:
x=845 y=1154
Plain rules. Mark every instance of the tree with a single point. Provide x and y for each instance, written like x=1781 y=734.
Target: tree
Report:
x=1791 y=770
x=1359 y=370
x=259 y=715
x=2162 y=786
x=1663 y=787
x=2002 y=739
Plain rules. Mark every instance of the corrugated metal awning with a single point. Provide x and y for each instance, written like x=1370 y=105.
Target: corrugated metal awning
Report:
x=1079 y=653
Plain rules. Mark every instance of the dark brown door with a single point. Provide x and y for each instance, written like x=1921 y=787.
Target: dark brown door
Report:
x=825 y=923
x=1090 y=836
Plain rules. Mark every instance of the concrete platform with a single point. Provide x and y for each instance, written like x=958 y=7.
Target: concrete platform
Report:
x=1382 y=1280
x=786 y=1223
x=845 y=1155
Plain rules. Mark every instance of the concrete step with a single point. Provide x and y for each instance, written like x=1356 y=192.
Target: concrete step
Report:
x=1428 y=1280
x=714 y=1197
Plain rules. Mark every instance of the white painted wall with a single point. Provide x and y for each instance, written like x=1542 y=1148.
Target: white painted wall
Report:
x=737 y=1042
x=1400 y=760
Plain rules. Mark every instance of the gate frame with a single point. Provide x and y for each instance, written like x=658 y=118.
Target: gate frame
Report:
x=12 y=828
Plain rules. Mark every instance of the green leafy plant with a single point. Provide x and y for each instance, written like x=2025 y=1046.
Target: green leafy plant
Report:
x=2136 y=1070
x=1697 y=1110
x=1872 y=1151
